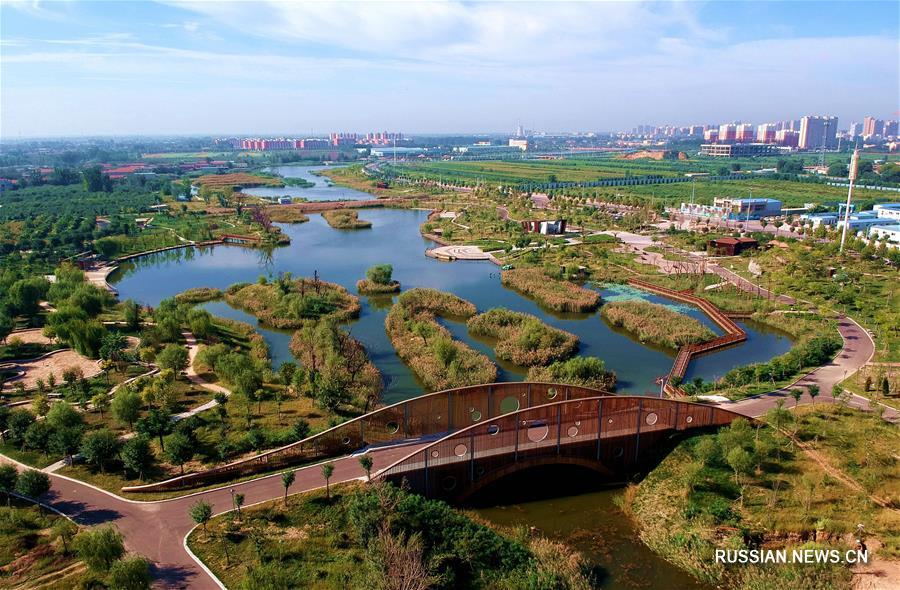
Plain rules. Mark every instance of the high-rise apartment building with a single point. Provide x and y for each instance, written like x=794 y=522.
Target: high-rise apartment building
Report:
x=744 y=133
x=765 y=133
x=891 y=128
x=818 y=132
x=787 y=137
x=873 y=127
x=727 y=133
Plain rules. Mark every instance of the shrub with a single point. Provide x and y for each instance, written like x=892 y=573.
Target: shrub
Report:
x=550 y=292
x=522 y=338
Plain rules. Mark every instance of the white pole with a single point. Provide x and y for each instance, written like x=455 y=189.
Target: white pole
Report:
x=854 y=165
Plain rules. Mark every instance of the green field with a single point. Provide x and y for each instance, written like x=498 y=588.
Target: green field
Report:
x=791 y=193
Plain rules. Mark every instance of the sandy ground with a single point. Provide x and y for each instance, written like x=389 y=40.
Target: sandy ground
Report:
x=879 y=573
x=56 y=364
x=29 y=336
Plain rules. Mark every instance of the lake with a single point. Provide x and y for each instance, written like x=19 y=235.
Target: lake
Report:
x=322 y=191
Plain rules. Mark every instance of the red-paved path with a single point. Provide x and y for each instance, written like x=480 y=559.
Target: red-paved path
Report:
x=157 y=530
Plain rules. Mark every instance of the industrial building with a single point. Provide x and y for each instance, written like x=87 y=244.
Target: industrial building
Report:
x=748 y=208
x=737 y=150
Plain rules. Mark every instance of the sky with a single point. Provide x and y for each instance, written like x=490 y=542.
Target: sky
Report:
x=303 y=68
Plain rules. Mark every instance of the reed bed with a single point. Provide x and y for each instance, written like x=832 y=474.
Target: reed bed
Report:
x=587 y=371
x=522 y=338
x=367 y=287
x=428 y=348
x=199 y=295
x=345 y=219
x=287 y=303
x=549 y=292
x=656 y=324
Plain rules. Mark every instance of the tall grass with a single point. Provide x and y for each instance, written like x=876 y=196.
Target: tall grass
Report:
x=655 y=323
x=286 y=303
x=553 y=293
x=428 y=348
x=522 y=338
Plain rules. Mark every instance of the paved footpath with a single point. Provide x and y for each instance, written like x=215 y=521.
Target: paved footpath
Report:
x=157 y=530
x=857 y=350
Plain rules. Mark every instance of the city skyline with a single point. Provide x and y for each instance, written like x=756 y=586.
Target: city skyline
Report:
x=179 y=68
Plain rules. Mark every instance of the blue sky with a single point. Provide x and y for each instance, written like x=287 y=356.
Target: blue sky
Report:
x=86 y=68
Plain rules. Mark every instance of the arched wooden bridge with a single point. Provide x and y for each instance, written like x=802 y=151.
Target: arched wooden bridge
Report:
x=423 y=418
x=610 y=435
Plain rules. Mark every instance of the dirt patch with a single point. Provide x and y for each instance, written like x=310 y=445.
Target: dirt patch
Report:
x=31 y=336
x=55 y=363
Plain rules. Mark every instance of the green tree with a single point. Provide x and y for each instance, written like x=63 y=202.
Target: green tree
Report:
x=24 y=296
x=180 y=450
x=99 y=548
x=33 y=484
x=137 y=455
x=66 y=441
x=37 y=437
x=796 y=394
x=131 y=573
x=201 y=512
x=7 y=325
x=366 y=463
x=813 y=391
x=238 y=502
x=380 y=274
x=126 y=406
x=156 y=423
x=838 y=169
x=64 y=530
x=132 y=313
x=327 y=472
x=174 y=357
x=100 y=447
x=287 y=480
x=9 y=475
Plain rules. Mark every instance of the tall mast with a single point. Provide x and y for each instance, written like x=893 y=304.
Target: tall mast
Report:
x=854 y=165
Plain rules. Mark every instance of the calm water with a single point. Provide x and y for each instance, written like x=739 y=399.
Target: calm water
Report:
x=321 y=192
x=344 y=256
x=586 y=520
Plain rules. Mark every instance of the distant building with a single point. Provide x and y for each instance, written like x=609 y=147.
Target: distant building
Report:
x=744 y=133
x=522 y=144
x=814 y=220
x=732 y=246
x=748 y=208
x=873 y=127
x=765 y=133
x=818 y=132
x=727 y=132
x=400 y=152
x=885 y=233
x=887 y=211
x=737 y=150
x=6 y=185
x=787 y=137
x=711 y=135
x=891 y=128
x=862 y=221
x=545 y=227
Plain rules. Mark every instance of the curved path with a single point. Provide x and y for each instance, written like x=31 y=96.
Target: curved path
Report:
x=157 y=530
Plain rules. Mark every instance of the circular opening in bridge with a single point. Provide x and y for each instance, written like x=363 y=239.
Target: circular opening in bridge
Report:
x=435 y=453
x=610 y=421
x=618 y=452
x=538 y=432
x=509 y=404
x=460 y=450
x=652 y=418
x=448 y=483
x=572 y=431
x=552 y=393
x=689 y=419
x=493 y=429
x=392 y=427
x=346 y=440
x=475 y=415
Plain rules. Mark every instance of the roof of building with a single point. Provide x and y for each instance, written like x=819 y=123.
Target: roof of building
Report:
x=724 y=241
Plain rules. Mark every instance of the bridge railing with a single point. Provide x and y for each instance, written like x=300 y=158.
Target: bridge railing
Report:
x=608 y=433
x=429 y=415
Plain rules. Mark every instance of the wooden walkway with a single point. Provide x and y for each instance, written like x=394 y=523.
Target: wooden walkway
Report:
x=734 y=334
